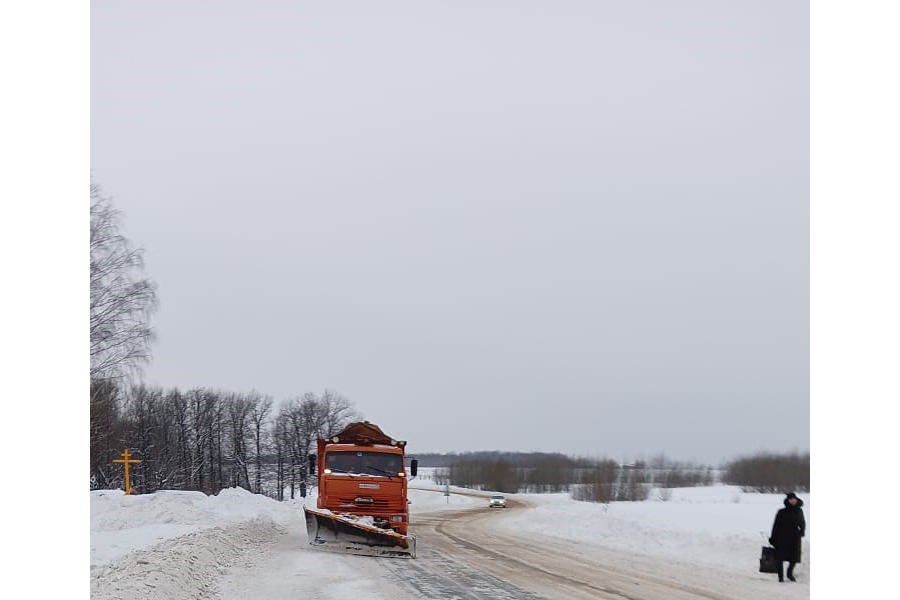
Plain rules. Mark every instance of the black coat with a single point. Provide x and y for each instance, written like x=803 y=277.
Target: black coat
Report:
x=787 y=530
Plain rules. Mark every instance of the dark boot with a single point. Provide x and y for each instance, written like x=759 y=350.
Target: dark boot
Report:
x=780 y=571
x=790 y=571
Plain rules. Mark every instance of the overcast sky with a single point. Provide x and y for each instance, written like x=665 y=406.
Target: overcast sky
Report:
x=558 y=226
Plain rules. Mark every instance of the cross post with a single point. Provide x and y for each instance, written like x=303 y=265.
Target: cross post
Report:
x=127 y=460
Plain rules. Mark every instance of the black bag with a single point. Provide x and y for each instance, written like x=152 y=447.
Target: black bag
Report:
x=768 y=562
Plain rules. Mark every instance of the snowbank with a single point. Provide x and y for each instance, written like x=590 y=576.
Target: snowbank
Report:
x=718 y=526
x=121 y=524
x=187 y=567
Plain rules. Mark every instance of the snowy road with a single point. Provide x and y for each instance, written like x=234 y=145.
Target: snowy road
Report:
x=468 y=554
x=700 y=544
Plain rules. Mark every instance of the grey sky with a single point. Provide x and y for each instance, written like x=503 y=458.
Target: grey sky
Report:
x=560 y=226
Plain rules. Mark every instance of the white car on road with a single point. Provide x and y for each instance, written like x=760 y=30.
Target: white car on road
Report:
x=497 y=502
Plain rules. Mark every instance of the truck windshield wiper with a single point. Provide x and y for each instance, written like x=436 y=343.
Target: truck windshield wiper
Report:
x=379 y=470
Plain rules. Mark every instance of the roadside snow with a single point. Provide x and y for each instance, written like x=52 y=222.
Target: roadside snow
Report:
x=182 y=545
x=186 y=567
x=177 y=545
x=718 y=526
x=121 y=524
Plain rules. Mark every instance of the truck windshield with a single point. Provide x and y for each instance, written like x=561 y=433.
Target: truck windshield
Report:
x=364 y=463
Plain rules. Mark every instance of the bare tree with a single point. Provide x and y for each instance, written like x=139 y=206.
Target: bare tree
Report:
x=240 y=409
x=258 y=416
x=337 y=412
x=106 y=429
x=281 y=441
x=200 y=403
x=121 y=299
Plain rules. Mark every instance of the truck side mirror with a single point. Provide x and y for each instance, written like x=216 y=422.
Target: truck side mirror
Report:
x=312 y=464
x=414 y=467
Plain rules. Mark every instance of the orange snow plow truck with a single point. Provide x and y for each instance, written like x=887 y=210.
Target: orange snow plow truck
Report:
x=362 y=506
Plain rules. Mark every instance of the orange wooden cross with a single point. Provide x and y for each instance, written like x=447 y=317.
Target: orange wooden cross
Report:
x=127 y=460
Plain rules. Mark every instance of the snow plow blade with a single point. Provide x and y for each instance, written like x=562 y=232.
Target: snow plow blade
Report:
x=346 y=533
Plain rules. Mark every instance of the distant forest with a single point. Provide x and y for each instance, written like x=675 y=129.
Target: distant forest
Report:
x=605 y=480
x=597 y=480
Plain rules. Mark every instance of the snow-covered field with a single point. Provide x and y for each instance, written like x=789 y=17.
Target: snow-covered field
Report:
x=718 y=526
x=179 y=544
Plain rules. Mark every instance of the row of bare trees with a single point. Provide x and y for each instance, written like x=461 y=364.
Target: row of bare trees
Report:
x=770 y=472
x=535 y=472
x=205 y=440
x=607 y=481
x=595 y=480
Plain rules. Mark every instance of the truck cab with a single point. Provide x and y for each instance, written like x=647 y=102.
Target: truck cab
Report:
x=365 y=480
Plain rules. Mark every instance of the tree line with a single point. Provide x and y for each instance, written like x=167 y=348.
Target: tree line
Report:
x=770 y=472
x=205 y=440
x=596 y=480
x=605 y=480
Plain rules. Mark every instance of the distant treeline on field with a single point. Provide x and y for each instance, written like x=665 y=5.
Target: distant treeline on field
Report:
x=605 y=480
x=769 y=472
x=598 y=480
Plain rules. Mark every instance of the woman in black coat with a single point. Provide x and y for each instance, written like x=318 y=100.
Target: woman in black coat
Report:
x=787 y=530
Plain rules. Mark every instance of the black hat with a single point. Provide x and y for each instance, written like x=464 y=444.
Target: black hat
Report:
x=792 y=495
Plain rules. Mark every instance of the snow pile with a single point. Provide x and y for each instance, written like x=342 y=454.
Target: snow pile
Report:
x=121 y=524
x=112 y=509
x=176 y=545
x=187 y=567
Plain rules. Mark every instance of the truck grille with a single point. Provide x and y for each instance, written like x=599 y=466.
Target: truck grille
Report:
x=375 y=503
